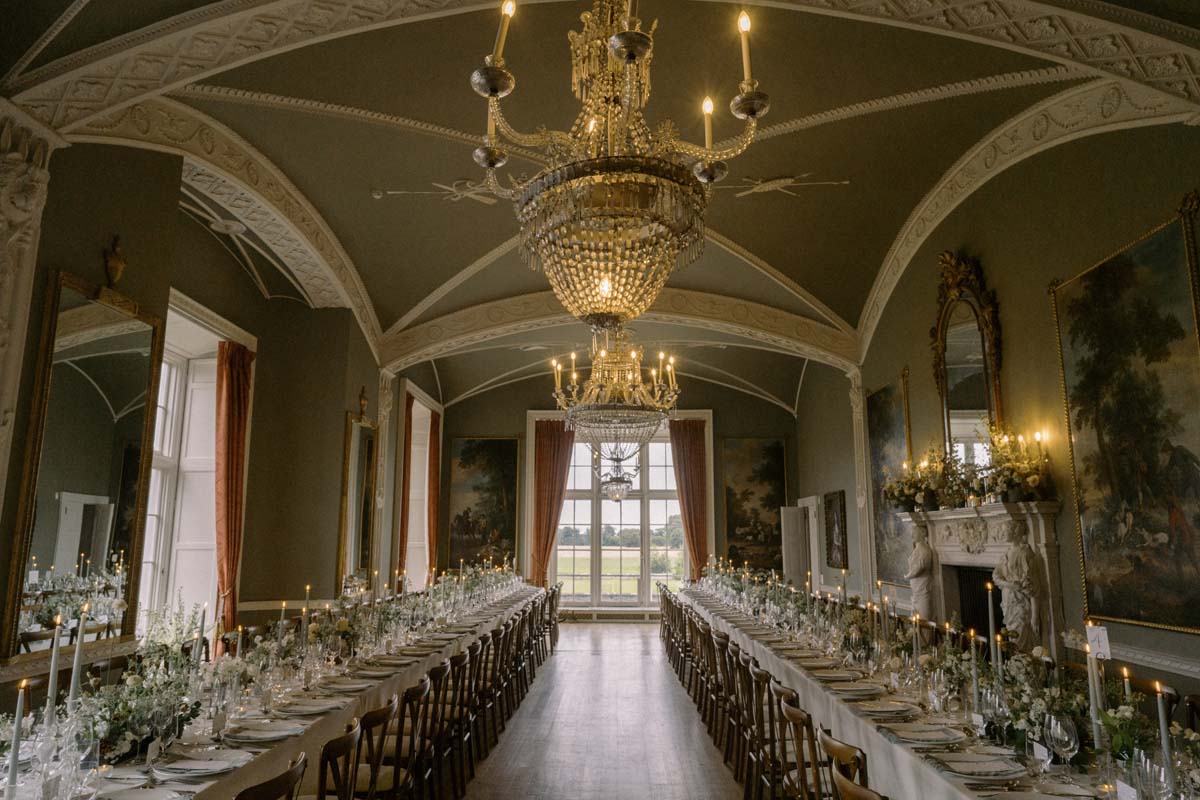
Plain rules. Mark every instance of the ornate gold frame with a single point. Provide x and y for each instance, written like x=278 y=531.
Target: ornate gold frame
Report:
x=908 y=451
x=962 y=280
x=447 y=474
x=353 y=419
x=33 y=449
x=1185 y=216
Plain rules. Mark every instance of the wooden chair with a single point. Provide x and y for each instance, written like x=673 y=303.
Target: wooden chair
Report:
x=407 y=751
x=845 y=760
x=479 y=704
x=284 y=786
x=374 y=725
x=808 y=781
x=339 y=765
x=849 y=790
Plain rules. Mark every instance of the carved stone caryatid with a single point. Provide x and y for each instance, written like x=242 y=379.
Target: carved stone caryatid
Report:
x=25 y=148
x=1019 y=577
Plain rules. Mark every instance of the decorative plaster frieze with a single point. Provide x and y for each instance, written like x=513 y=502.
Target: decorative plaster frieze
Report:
x=186 y=48
x=25 y=148
x=1095 y=107
x=91 y=323
x=230 y=171
x=462 y=331
x=279 y=102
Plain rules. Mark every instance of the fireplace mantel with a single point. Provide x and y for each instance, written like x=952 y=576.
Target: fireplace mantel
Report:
x=976 y=537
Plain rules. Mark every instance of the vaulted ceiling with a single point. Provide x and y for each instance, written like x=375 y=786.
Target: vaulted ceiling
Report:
x=327 y=144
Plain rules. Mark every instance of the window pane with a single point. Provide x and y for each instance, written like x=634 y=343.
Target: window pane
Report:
x=574 y=554
x=666 y=544
x=628 y=466
x=621 y=551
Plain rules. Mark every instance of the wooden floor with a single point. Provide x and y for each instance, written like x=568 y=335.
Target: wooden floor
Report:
x=606 y=719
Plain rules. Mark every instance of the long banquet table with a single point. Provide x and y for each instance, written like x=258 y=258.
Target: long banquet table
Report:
x=275 y=760
x=895 y=769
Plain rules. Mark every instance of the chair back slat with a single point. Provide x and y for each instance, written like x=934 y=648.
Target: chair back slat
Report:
x=284 y=786
x=338 y=770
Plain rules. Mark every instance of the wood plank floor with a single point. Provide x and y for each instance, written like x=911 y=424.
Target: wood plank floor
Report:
x=606 y=719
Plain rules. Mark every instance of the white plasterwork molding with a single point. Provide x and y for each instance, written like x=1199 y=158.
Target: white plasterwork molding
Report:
x=1095 y=107
x=230 y=171
x=48 y=35
x=786 y=283
x=778 y=330
x=321 y=108
x=1167 y=61
x=459 y=278
x=191 y=46
x=933 y=94
x=1164 y=660
x=91 y=323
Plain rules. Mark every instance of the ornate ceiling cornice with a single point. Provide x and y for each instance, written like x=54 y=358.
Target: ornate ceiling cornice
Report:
x=1141 y=49
x=230 y=171
x=776 y=330
x=1095 y=107
x=184 y=49
x=281 y=102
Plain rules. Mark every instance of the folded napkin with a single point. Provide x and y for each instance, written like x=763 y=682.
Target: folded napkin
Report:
x=977 y=764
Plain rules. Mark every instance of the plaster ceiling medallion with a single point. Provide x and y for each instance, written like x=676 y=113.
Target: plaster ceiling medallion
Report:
x=618 y=206
x=453 y=192
x=229 y=227
x=782 y=185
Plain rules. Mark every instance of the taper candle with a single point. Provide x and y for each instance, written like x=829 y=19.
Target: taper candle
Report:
x=52 y=682
x=1125 y=681
x=707 y=108
x=506 y=12
x=14 y=753
x=1164 y=735
x=77 y=664
x=744 y=29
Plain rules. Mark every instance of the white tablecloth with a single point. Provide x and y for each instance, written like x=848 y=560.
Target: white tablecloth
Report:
x=893 y=769
x=275 y=760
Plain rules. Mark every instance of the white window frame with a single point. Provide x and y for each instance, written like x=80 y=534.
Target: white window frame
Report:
x=643 y=496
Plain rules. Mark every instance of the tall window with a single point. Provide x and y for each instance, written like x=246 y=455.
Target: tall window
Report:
x=613 y=554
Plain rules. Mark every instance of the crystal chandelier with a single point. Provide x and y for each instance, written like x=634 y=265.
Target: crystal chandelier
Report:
x=616 y=410
x=618 y=205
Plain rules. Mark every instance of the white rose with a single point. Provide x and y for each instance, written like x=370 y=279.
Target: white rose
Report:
x=1039 y=652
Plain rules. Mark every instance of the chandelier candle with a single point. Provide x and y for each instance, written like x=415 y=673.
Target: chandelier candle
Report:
x=744 y=28
x=707 y=107
x=506 y=13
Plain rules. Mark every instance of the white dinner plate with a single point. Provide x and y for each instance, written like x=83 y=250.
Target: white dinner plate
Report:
x=145 y=793
x=885 y=708
x=830 y=675
x=920 y=733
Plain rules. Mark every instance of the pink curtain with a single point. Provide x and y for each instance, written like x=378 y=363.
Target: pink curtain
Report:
x=433 y=488
x=552 y=445
x=691 y=481
x=406 y=460
x=234 y=370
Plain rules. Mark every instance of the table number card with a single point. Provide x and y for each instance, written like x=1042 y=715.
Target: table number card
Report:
x=1125 y=791
x=153 y=750
x=1097 y=636
x=1040 y=752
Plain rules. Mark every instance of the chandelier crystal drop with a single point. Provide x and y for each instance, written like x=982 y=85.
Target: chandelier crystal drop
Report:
x=618 y=206
x=622 y=403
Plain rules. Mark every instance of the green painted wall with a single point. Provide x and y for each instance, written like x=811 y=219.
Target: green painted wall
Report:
x=308 y=371
x=1049 y=216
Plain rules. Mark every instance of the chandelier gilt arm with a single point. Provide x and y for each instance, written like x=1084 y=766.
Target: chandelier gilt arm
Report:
x=708 y=154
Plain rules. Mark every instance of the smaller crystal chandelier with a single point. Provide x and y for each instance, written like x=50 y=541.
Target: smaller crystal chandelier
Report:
x=616 y=410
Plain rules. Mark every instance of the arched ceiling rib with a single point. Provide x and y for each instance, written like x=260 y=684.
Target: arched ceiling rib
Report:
x=223 y=166
x=1095 y=107
x=463 y=330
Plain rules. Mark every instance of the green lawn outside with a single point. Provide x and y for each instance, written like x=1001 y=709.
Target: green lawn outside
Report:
x=621 y=567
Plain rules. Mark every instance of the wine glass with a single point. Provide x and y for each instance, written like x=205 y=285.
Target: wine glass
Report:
x=1062 y=737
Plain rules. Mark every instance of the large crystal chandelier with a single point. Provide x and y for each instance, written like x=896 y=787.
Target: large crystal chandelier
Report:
x=618 y=205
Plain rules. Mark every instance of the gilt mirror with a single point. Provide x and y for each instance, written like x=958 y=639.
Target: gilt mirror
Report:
x=356 y=538
x=83 y=495
x=966 y=358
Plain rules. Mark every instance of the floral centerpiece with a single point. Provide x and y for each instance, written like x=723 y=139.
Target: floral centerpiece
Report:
x=1187 y=748
x=1128 y=728
x=1018 y=472
x=1031 y=695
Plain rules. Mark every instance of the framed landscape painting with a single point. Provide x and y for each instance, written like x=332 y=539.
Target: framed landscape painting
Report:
x=889 y=445
x=837 y=554
x=483 y=500
x=1130 y=361
x=754 y=476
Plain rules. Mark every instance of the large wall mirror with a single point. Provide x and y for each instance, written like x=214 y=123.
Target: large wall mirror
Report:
x=966 y=357
x=83 y=496
x=356 y=538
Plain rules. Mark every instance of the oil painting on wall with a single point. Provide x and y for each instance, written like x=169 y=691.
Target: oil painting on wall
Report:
x=837 y=551
x=483 y=500
x=754 y=476
x=889 y=445
x=1131 y=369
